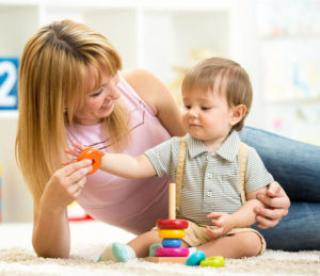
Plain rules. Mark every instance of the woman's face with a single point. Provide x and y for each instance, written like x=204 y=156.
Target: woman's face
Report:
x=99 y=103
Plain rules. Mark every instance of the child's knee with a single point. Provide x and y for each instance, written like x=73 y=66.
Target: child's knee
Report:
x=252 y=244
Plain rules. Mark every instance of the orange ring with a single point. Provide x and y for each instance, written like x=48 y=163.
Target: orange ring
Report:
x=94 y=155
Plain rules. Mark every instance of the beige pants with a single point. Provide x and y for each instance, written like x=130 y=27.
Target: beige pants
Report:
x=197 y=235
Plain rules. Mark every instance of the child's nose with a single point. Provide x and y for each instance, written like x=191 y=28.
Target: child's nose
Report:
x=193 y=113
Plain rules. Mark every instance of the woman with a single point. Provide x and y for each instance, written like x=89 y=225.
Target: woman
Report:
x=71 y=90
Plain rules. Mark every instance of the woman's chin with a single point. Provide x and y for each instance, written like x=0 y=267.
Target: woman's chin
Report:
x=105 y=112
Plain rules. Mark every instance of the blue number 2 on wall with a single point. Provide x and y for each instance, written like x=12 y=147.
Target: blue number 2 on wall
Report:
x=8 y=83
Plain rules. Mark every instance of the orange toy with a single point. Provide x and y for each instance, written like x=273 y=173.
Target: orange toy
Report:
x=94 y=155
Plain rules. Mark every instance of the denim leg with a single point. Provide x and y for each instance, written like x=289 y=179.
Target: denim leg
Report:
x=299 y=230
x=295 y=165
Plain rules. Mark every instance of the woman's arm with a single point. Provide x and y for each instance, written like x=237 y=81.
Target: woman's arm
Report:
x=158 y=97
x=51 y=234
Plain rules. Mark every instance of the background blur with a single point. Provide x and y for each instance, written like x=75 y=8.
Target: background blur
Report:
x=277 y=41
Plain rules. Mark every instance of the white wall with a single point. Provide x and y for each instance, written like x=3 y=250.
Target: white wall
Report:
x=16 y=199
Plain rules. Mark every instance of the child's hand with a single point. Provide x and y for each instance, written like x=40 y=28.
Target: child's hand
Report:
x=222 y=222
x=73 y=152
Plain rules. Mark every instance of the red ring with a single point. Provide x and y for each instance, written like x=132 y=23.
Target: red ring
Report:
x=172 y=224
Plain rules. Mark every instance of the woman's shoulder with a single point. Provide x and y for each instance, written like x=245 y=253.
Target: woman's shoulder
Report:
x=139 y=78
x=147 y=85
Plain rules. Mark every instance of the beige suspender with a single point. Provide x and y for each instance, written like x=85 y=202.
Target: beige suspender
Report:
x=180 y=170
x=243 y=167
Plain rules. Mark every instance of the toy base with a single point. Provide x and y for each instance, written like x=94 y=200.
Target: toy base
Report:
x=180 y=260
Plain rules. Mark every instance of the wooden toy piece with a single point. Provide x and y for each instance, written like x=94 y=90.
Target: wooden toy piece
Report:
x=93 y=154
x=172 y=252
x=172 y=224
x=176 y=231
x=172 y=201
x=171 y=233
x=214 y=261
x=180 y=260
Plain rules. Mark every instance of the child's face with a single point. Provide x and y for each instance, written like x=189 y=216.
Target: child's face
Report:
x=207 y=116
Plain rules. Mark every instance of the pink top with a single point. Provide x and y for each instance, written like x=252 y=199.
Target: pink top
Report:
x=134 y=205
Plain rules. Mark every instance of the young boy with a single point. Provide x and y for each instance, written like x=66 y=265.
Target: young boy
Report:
x=217 y=96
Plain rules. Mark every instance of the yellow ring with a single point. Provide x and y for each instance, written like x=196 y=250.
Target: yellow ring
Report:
x=171 y=234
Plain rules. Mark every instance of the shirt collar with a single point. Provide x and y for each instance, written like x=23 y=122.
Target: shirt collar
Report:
x=230 y=147
x=195 y=146
x=228 y=150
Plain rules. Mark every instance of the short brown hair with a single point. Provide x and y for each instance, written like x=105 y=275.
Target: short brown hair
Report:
x=237 y=85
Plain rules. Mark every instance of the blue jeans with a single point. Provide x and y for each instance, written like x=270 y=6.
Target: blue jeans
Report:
x=296 y=166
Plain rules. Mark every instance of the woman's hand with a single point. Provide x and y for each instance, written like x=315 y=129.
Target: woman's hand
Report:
x=51 y=233
x=66 y=184
x=277 y=204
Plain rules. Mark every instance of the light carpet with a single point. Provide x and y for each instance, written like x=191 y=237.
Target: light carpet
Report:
x=90 y=238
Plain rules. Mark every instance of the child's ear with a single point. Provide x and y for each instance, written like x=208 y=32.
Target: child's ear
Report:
x=238 y=112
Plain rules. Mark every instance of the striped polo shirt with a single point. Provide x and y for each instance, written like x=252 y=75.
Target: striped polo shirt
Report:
x=211 y=179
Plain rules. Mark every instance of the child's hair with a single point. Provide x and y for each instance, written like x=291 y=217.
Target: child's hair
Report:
x=233 y=81
x=56 y=64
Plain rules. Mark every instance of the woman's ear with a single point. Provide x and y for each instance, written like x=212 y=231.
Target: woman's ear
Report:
x=237 y=113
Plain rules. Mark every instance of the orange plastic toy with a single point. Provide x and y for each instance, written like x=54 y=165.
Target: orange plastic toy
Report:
x=93 y=154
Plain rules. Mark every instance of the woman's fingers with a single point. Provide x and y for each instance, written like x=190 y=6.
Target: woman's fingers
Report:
x=264 y=223
x=279 y=202
x=270 y=213
x=78 y=175
x=274 y=189
x=76 y=166
x=269 y=217
x=72 y=177
x=76 y=188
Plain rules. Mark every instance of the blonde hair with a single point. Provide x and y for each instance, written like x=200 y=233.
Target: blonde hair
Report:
x=53 y=77
x=233 y=81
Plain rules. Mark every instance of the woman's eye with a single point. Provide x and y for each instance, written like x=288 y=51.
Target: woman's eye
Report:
x=97 y=93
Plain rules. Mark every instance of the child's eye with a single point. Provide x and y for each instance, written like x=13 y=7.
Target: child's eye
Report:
x=187 y=106
x=204 y=108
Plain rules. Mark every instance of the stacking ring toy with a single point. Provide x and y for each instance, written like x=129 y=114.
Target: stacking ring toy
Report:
x=171 y=243
x=171 y=233
x=172 y=252
x=216 y=261
x=93 y=154
x=172 y=224
x=152 y=249
x=195 y=258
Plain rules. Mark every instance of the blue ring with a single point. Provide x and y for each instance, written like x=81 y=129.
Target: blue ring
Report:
x=172 y=243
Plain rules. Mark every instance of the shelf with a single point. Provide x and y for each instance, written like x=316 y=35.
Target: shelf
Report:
x=178 y=40
x=296 y=101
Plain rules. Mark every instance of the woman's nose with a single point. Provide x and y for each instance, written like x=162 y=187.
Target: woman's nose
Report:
x=115 y=93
